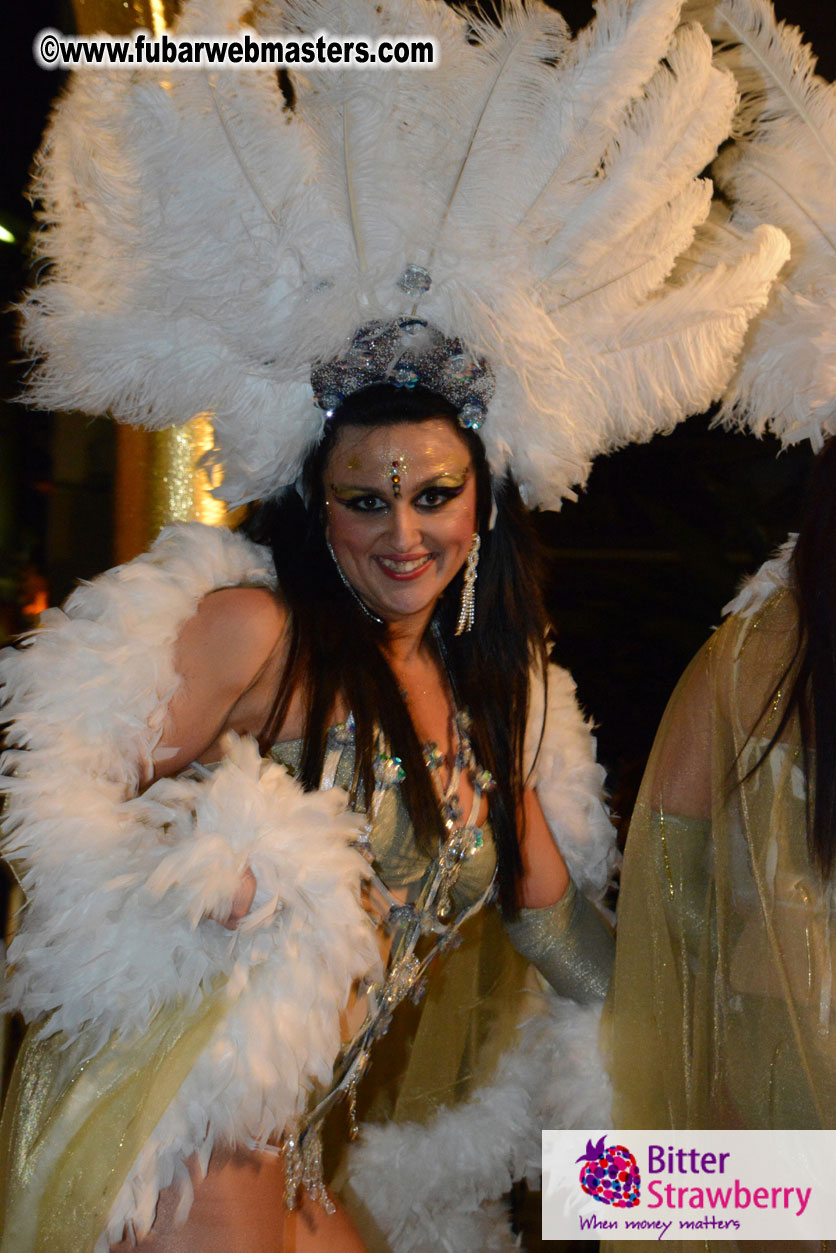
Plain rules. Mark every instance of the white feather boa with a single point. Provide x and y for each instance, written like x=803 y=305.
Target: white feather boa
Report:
x=118 y=886
x=434 y=1188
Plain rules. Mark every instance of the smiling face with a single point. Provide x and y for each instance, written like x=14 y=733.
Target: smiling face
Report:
x=401 y=510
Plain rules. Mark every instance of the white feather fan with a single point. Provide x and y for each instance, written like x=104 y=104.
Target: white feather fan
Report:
x=782 y=169
x=207 y=244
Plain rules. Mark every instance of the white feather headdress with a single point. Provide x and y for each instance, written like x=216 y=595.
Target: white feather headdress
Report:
x=781 y=169
x=208 y=244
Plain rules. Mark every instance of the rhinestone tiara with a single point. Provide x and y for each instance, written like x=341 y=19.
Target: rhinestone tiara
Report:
x=407 y=352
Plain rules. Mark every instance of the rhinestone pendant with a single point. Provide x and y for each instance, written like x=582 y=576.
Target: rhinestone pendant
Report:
x=472 y=840
x=401 y=915
x=404 y=374
x=451 y=812
x=353 y=1084
x=444 y=909
x=401 y=980
x=329 y=402
x=433 y=756
x=483 y=780
x=292 y=1170
x=344 y=731
x=388 y=771
x=415 y=280
x=472 y=416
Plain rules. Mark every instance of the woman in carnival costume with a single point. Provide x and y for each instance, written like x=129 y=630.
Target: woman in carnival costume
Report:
x=256 y=799
x=722 y=998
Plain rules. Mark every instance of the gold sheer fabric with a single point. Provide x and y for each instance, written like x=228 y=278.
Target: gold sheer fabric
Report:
x=73 y=1125
x=720 y=1014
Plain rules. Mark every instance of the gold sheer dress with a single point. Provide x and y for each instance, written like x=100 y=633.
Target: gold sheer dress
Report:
x=721 y=1011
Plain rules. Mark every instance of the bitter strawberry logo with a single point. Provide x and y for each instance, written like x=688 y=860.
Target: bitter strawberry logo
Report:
x=610 y=1175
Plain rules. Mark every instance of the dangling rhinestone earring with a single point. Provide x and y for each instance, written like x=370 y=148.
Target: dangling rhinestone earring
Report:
x=467 y=611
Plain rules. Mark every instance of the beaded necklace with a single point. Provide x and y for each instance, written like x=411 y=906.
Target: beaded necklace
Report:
x=431 y=914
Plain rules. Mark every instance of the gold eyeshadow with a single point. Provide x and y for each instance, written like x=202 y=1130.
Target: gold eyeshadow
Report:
x=346 y=491
x=449 y=478
x=394 y=470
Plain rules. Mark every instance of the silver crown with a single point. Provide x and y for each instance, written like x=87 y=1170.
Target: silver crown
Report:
x=407 y=352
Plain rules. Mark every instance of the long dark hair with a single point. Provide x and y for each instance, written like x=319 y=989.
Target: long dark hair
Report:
x=811 y=670
x=335 y=649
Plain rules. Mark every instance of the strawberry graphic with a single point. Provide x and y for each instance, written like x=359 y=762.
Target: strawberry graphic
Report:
x=610 y=1175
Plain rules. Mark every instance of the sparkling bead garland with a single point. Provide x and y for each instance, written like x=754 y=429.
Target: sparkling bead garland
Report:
x=303 y=1169
x=433 y=913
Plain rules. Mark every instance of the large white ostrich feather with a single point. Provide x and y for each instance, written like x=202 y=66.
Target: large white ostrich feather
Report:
x=781 y=169
x=207 y=243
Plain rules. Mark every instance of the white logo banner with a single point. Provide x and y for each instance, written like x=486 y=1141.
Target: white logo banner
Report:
x=689 y=1185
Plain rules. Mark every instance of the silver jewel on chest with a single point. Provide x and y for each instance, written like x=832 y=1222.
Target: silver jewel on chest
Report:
x=344 y=731
x=472 y=840
x=401 y=915
x=388 y=770
x=484 y=781
x=433 y=915
x=401 y=981
x=462 y=843
x=433 y=756
x=451 y=812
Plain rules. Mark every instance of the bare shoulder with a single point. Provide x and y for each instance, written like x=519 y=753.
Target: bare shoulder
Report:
x=234 y=636
x=238 y=626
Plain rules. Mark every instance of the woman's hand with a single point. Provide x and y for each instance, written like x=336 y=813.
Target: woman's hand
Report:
x=241 y=902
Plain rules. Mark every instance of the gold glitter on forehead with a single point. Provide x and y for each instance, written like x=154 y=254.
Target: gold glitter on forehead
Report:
x=395 y=470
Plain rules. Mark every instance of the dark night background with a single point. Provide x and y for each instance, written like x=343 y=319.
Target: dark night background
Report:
x=640 y=567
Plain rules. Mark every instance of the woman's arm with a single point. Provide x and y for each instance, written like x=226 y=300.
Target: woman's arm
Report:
x=557 y=929
x=544 y=876
x=229 y=656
